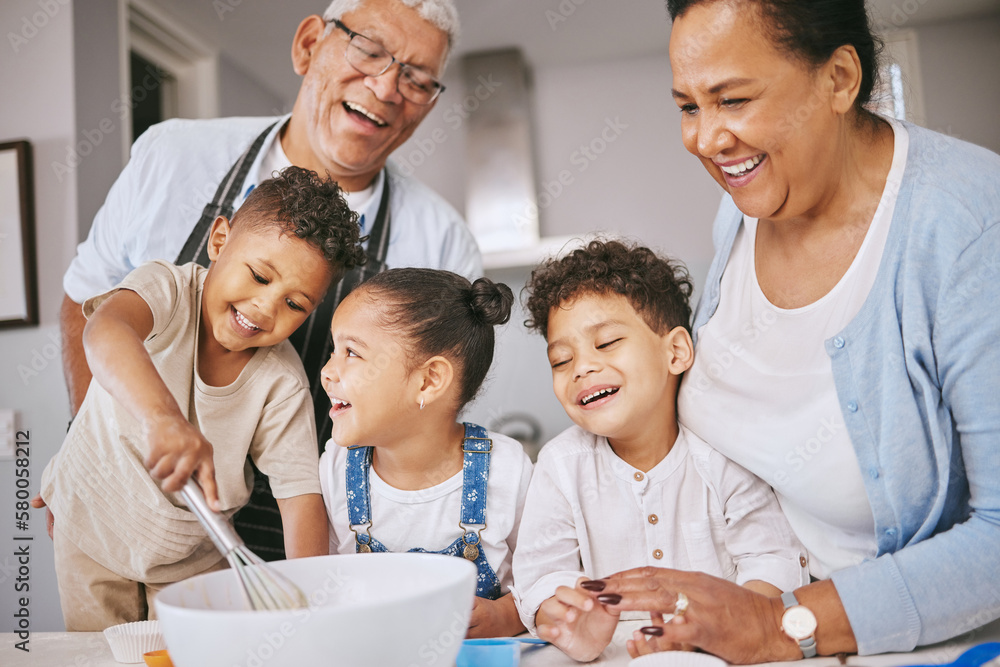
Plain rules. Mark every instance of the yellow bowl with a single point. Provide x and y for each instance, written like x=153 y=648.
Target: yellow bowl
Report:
x=157 y=659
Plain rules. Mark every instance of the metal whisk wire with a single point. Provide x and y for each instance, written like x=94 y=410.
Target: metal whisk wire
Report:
x=264 y=588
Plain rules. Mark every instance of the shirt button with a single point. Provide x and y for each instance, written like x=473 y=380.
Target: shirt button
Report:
x=653 y=518
x=891 y=532
x=638 y=476
x=838 y=342
x=874 y=473
x=802 y=561
x=852 y=407
x=657 y=554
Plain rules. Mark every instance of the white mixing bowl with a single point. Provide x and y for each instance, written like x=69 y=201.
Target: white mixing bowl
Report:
x=405 y=609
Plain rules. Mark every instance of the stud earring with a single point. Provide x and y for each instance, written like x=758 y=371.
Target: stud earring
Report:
x=421 y=402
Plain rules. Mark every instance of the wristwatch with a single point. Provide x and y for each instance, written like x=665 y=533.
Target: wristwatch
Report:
x=800 y=624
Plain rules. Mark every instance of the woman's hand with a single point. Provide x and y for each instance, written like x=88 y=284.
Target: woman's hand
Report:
x=722 y=618
x=581 y=627
x=494 y=618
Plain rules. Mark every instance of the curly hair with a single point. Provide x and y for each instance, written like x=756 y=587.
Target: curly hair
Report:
x=300 y=202
x=658 y=288
x=441 y=313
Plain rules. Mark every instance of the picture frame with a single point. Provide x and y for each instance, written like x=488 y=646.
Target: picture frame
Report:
x=18 y=274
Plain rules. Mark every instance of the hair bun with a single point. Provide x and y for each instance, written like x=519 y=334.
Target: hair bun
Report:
x=491 y=302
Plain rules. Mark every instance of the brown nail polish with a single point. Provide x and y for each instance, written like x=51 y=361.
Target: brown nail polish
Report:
x=609 y=598
x=652 y=631
x=594 y=585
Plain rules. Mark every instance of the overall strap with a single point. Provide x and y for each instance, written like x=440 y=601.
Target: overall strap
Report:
x=196 y=247
x=359 y=508
x=312 y=338
x=477 y=448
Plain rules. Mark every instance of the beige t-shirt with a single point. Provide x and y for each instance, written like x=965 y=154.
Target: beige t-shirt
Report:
x=97 y=486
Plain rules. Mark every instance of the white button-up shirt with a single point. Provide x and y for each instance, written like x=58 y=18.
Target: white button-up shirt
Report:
x=589 y=513
x=174 y=172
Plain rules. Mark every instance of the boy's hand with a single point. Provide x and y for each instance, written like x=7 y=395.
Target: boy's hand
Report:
x=176 y=450
x=574 y=622
x=38 y=503
x=494 y=618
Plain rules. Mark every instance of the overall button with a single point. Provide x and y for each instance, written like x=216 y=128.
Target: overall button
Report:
x=838 y=342
x=852 y=406
x=653 y=519
x=638 y=476
x=657 y=554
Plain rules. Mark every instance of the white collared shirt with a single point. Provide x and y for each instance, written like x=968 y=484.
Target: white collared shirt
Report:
x=174 y=171
x=590 y=514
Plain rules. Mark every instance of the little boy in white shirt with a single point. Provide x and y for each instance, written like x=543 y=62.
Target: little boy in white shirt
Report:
x=628 y=486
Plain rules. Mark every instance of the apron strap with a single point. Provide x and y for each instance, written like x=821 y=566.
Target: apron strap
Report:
x=196 y=247
x=312 y=338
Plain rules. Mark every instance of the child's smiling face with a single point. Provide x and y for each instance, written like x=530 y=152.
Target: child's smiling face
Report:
x=262 y=285
x=610 y=371
x=368 y=376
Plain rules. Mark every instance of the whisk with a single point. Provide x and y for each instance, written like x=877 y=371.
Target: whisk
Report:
x=264 y=588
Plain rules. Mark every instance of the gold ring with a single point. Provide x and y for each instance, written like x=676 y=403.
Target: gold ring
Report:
x=681 y=606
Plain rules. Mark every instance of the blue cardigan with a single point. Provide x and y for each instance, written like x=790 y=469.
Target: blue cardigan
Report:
x=917 y=373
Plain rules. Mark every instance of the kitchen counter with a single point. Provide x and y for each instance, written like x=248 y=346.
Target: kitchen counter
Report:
x=89 y=649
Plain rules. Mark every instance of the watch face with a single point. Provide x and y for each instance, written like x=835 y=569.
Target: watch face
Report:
x=798 y=623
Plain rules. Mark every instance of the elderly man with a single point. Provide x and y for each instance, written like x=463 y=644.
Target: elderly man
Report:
x=370 y=74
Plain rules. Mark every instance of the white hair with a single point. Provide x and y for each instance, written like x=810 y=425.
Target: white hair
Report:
x=442 y=14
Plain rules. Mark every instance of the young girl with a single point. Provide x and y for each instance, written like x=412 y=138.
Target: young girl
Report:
x=410 y=348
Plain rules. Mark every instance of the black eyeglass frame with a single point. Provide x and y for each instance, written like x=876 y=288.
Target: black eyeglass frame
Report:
x=440 y=87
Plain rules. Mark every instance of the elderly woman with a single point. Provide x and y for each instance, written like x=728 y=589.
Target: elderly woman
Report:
x=847 y=341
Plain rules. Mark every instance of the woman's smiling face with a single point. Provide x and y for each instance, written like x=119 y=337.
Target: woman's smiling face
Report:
x=760 y=119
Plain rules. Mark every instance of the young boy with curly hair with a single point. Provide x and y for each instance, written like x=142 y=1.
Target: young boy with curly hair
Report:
x=193 y=372
x=628 y=486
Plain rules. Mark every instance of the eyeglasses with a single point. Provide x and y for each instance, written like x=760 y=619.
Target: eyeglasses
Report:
x=371 y=59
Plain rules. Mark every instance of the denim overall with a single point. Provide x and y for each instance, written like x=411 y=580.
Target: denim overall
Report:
x=258 y=522
x=475 y=474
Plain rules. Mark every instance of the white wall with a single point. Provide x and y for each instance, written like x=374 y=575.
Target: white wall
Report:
x=960 y=67
x=242 y=95
x=40 y=70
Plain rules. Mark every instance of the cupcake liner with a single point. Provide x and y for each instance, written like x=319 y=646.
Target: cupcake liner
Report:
x=678 y=659
x=129 y=641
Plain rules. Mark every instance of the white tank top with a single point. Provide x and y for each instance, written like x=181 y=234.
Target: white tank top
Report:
x=761 y=391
